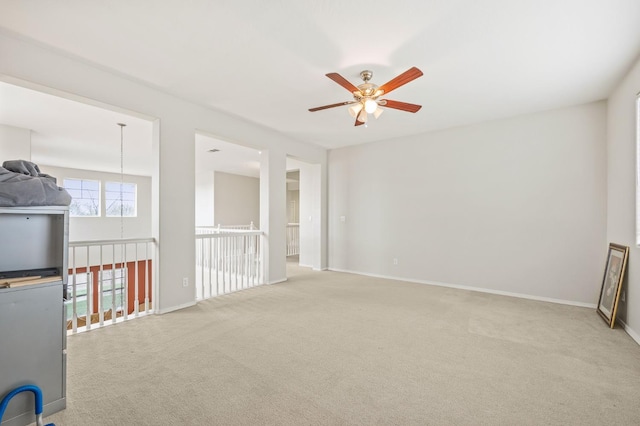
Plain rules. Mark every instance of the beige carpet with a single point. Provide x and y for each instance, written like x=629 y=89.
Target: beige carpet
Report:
x=329 y=348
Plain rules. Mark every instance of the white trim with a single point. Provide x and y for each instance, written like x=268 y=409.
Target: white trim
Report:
x=630 y=331
x=478 y=289
x=175 y=308
x=72 y=96
x=107 y=242
x=278 y=281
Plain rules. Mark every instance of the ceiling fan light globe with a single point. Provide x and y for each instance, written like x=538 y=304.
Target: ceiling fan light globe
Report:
x=370 y=105
x=362 y=117
x=355 y=109
x=378 y=112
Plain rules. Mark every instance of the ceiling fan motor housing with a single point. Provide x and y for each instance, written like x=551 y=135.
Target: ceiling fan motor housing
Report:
x=365 y=91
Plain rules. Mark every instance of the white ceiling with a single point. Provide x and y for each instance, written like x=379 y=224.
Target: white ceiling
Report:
x=230 y=157
x=67 y=133
x=267 y=60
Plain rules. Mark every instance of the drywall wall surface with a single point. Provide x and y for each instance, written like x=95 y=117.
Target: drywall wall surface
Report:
x=311 y=215
x=516 y=206
x=293 y=205
x=102 y=227
x=273 y=214
x=622 y=133
x=237 y=200
x=204 y=198
x=15 y=143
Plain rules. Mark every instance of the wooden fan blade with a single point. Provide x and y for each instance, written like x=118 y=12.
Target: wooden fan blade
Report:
x=358 y=122
x=403 y=106
x=342 y=82
x=331 y=106
x=404 y=78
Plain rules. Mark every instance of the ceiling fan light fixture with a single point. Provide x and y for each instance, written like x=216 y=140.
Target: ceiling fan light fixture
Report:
x=370 y=105
x=366 y=96
x=355 y=109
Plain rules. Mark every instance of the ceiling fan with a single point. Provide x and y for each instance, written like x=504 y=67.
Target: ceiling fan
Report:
x=367 y=95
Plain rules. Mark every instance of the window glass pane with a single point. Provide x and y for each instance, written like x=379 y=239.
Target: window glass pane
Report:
x=85 y=196
x=120 y=199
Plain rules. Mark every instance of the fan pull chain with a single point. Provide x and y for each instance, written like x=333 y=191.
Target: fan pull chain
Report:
x=123 y=249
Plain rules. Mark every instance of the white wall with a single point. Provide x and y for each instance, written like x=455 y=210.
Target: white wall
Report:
x=237 y=199
x=273 y=214
x=621 y=178
x=39 y=68
x=15 y=143
x=105 y=228
x=293 y=203
x=515 y=206
x=204 y=198
x=310 y=216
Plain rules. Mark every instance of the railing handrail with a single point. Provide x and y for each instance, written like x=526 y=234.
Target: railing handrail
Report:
x=228 y=261
x=127 y=292
x=224 y=226
x=230 y=232
x=114 y=241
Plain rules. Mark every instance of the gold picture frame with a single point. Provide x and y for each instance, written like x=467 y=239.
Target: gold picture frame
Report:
x=612 y=282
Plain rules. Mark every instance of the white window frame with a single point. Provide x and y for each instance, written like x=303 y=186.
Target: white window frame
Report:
x=98 y=196
x=108 y=200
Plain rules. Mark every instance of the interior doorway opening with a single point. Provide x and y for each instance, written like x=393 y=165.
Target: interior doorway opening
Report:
x=229 y=241
x=104 y=157
x=293 y=216
x=227 y=184
x=304 y=214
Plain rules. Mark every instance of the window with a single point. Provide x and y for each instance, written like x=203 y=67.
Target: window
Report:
x=120 y=198
x=85 y=196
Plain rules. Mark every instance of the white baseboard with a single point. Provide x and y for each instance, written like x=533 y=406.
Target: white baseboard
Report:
x=312 y=267
x=630 y=331
x=175 y=308
x=478 y=289
x=278 y=281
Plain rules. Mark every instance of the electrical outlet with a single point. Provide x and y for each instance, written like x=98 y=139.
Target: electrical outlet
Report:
x=395 y=261
x=185 y=282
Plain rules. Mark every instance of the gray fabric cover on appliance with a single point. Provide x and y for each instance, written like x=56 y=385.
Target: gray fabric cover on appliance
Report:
x=22 y=185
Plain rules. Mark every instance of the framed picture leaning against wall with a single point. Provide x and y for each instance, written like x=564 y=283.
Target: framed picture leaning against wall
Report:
x=612 y=282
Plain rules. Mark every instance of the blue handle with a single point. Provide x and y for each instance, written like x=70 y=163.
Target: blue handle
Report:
x=37 y=393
